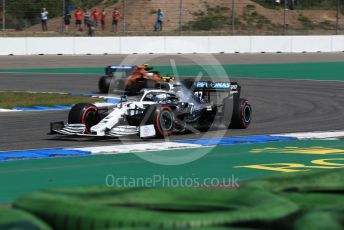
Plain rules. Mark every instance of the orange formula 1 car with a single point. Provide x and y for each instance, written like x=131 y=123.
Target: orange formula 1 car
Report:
x=131 y=79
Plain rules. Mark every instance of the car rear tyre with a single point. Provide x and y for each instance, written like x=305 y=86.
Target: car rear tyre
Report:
x=84 y=113
x=242 y=114
x=104 y=84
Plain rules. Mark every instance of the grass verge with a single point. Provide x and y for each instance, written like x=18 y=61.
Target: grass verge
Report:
x=9 y=100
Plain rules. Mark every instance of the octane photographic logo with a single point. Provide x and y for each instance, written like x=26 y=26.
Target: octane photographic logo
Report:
x=203 y=67
x=157 y=180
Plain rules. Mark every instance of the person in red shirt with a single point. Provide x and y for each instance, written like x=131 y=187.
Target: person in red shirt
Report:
x=116 y=16
x=78 y=18
x=103 y=19
x=96 y=16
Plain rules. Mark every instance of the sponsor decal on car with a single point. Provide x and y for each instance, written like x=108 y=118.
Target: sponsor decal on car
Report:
x=212 y=85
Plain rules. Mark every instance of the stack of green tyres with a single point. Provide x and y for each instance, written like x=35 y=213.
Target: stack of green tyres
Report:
x=311 y=200
x=16 y=220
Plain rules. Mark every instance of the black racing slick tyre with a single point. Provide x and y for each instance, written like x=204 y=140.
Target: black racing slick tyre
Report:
x=242 y=114
x=104 y=84
x=84 y=113
x=162 y=117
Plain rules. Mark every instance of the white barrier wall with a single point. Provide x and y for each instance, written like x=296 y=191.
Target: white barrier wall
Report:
x=271 y=44
x=13 y=46
x=130 y=45
x=170 y=45
x=51 y=45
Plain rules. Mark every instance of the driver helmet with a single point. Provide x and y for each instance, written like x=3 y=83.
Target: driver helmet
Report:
x=150 y=75
x=160 y=97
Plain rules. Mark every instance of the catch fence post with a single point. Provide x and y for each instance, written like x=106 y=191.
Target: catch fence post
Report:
x=233 y=16
x=3 y=15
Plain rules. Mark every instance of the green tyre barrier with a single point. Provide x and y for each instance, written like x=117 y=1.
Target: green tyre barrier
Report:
x=319 y=221
x=104 y=208
x=319 y=180
x=11 y=219
x=292 y=200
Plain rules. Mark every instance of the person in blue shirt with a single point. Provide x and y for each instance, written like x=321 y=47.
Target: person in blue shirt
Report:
x=159 y=20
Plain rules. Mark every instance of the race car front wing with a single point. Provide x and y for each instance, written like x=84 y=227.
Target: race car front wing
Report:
x=118 y=131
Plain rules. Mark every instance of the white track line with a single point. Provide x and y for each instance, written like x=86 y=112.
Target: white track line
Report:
x=129 y=148
x=314 y=135
x=8 y=110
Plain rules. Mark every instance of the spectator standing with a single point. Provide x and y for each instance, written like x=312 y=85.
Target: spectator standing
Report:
x=159 y=20
x=87 y=17
x=96 y=16
x=116 y=16
x=67 y=18
x=291 y=4
x=103 y=19
x=44 y=19
x=78 y=18
x=91 y=25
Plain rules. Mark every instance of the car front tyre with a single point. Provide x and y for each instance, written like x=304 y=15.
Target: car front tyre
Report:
x=162 y=117
x=84 y=113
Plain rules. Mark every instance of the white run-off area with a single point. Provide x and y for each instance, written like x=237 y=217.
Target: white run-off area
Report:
x=170 y=145
x=127 y=148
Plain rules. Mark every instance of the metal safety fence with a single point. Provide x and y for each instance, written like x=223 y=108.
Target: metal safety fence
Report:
x=166 y=17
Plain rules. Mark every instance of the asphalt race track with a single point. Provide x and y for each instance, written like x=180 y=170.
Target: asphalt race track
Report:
x=279 y=106
x=66 y=83
x=53 y=61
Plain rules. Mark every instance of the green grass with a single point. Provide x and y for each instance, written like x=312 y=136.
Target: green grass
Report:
x=19 y=177
x=9 y=100
x=213 y=18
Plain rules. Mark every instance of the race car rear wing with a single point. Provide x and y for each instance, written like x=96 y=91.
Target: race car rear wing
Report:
x=209 y=86
x=212 y=91
x=109 y=70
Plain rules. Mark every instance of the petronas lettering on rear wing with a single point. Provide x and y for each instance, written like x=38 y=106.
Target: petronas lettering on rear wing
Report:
x=209 y=85
x=233 y=87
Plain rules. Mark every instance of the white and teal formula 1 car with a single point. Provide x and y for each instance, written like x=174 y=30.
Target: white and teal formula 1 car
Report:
x=170 y=108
